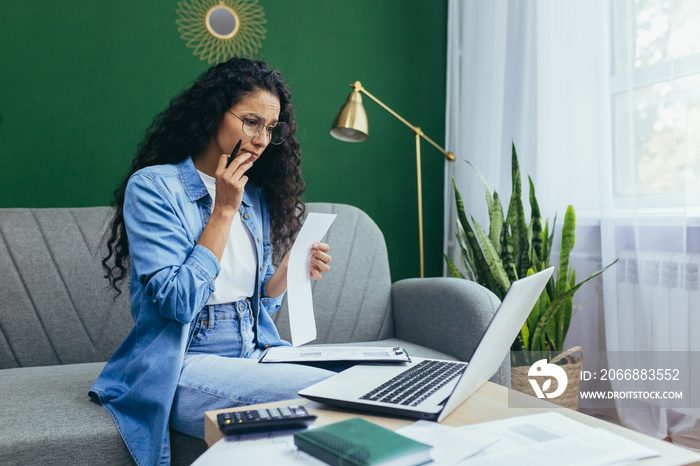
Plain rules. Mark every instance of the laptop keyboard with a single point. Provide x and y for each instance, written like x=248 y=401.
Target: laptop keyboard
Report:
x=414 y=385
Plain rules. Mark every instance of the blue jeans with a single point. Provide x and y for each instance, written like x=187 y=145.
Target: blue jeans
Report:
x=221 y=369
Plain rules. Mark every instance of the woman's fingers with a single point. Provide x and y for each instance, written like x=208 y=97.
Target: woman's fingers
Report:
x=319 y=260
x=222 y=166
x=323 y=247
x=242 y=168
x=320 y=265
x=234 y=174
x=231 y=181
x=319 y=251
x=315 y=273
x=322 y=256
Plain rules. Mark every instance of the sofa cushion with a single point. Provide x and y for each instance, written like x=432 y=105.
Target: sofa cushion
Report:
x=55 y=307
x=48 y=418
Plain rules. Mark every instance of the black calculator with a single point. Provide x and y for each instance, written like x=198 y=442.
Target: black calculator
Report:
x=265 y=420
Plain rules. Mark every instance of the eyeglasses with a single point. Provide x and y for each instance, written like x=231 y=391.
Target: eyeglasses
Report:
x=254 y=123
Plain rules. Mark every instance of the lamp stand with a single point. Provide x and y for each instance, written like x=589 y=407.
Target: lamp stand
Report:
x=362 y=130
x=420 y=202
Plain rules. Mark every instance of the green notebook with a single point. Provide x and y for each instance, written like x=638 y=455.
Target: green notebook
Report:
x=358 y=442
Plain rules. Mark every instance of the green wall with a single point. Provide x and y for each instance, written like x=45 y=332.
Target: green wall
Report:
x=82 y=80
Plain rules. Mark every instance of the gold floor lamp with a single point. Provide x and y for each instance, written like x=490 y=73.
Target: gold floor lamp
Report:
x=350 y=125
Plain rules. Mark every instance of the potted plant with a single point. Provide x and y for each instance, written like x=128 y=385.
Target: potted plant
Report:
x=512 y=249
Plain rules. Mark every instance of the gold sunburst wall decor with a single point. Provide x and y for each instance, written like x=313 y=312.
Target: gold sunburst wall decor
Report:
x=220 y=29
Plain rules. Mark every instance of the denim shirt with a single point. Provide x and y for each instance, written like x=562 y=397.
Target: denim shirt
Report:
x=165 y=210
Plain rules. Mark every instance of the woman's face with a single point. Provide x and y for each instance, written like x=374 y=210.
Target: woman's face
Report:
x=231 y=129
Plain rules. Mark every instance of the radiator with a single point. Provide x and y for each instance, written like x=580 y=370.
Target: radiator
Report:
x=658 y=300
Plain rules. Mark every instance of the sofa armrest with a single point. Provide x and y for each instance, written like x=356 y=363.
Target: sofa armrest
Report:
x=446 y=314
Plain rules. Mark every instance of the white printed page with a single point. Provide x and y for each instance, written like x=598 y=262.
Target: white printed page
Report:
x=256 y=449
x=528 y=440
x=302 y=323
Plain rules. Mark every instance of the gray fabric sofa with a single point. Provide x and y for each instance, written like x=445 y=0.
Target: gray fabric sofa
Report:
x=59 y=324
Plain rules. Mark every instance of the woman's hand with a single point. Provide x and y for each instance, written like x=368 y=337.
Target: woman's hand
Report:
x=319 y=260
x=231 y=181
x=230 y=184
x=319 y=264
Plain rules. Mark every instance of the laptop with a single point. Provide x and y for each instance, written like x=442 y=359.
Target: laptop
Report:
x=432 y=388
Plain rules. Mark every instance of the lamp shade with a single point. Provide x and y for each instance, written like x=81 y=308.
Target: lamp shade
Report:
x=350 y=124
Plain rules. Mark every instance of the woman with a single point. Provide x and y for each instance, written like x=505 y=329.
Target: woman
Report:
x=199 y=235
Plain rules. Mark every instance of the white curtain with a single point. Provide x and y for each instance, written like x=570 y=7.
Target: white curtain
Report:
x=553 y=77
x=507 y=86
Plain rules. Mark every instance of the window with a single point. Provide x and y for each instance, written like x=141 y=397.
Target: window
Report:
x=655 y=87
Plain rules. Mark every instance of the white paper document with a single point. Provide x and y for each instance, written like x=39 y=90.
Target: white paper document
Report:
x=255 y=450
x=552 y=438
x=451 y=445
x=335 y=353
x=302 y=324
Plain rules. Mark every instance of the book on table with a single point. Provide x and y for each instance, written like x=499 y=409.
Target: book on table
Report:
x=358 y=442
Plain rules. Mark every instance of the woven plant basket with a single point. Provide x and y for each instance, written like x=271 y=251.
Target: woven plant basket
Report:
x=569 y=399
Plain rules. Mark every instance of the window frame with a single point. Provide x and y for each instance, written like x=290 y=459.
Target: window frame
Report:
x=628 y=80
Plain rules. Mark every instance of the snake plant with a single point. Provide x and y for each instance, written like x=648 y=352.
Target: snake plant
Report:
x=512 y=249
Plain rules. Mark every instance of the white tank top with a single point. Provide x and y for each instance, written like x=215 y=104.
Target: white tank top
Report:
x=236 y=280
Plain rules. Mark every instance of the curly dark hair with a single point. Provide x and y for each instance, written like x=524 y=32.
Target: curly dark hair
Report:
x=185 y=128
